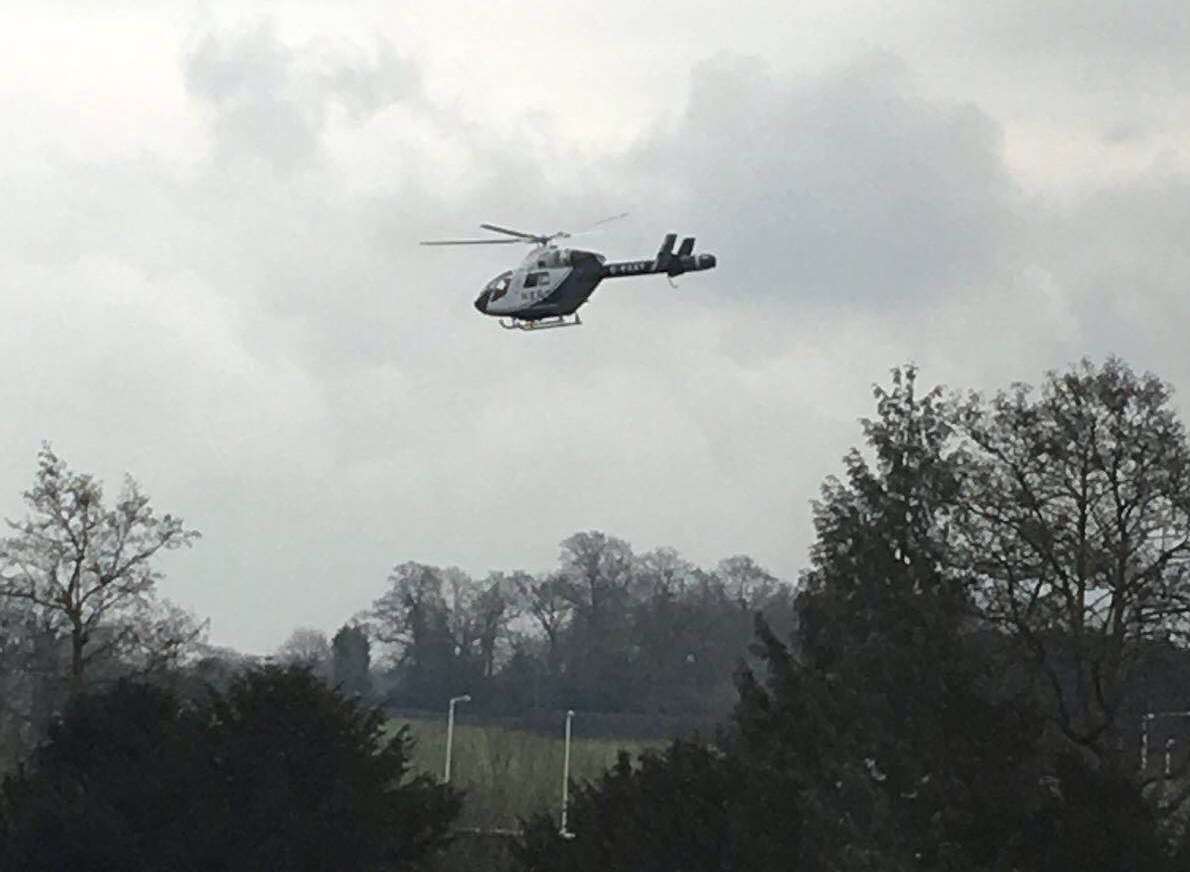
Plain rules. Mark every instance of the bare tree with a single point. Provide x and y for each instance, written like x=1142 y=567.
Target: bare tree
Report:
x=599 y=569
x=427 y=640
x=459 y=592
x=663 y=572
x=745 y=581
x=403 y=615
x=599 y=580
x=1075 y=522
x=86 y=568
x=547 y=601
x=306 y=647
x=492 y=609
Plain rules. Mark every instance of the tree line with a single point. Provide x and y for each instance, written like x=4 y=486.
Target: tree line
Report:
x=607 y=631
x=996 y=601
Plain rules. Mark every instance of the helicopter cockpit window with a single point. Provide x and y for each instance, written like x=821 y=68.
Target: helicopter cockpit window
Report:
x=499 y=286
x=537 y=279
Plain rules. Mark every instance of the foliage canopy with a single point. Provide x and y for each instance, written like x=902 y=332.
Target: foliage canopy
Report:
x=278 y=772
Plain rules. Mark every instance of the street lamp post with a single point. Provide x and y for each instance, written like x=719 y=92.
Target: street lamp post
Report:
x=450 y=732
x=565 y=833
x=1144 y=738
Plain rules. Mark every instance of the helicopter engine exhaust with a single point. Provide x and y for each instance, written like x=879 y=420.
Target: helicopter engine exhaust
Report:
x=690 y=263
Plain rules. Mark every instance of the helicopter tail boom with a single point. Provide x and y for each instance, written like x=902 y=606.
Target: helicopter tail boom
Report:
x=667 y=261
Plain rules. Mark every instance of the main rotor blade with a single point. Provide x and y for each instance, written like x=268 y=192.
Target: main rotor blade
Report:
x=598 y=225
x=472 y=242
x=606 y=221
x=516 y=233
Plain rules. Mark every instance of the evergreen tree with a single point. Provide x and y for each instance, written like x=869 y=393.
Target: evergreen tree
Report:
x=309 y=780
x=688 y=807
x=351 y=653
x=118 y=784
x=884 y=716
x=278 y=772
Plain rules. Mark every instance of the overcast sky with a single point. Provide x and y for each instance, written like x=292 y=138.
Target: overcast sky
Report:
x=210 y=277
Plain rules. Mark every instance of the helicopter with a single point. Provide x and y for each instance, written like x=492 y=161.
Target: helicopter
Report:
x=550 y=284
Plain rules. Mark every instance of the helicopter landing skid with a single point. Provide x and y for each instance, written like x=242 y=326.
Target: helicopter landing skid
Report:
x=542 y=324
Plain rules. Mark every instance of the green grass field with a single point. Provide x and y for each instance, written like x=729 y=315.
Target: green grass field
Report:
x=509 y=774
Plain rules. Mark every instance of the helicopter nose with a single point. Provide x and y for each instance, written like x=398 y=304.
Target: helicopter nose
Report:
x=481 y=302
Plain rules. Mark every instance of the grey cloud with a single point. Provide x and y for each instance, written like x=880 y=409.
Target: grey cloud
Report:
x=339 y=406
x=849 y=188
x=367 y=82
x=1077 y=68
x=270 y=101
x=1120 y=256
x=1106 y=36
x=248 y=79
